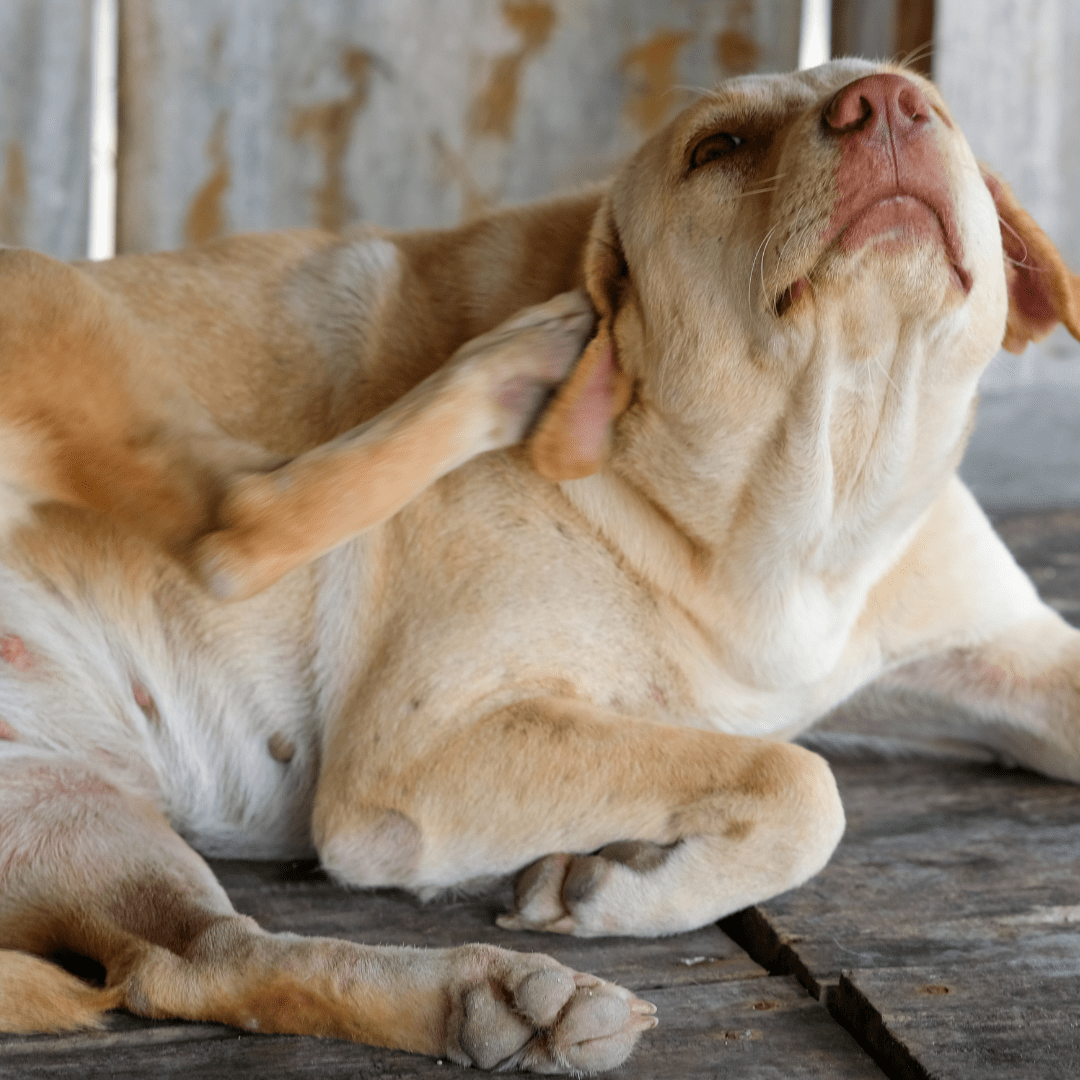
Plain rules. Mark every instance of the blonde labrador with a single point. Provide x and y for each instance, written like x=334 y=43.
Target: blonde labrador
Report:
x=582 y=656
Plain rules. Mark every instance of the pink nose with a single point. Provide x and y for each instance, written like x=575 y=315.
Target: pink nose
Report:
x=867 y=107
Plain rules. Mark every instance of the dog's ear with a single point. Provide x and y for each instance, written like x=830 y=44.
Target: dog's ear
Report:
x=572 y=435
x=1042 y=290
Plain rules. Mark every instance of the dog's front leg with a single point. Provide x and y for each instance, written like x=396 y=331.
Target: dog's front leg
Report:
x=85 y=867
x=987 y=662
x=632 y=827
x=484 y=398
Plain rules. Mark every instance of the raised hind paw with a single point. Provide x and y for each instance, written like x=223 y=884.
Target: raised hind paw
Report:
x=526 y=1011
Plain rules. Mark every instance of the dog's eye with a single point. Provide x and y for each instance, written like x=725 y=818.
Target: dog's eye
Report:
x=715 y=147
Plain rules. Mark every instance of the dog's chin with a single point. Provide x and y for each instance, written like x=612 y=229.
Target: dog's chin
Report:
x=904 y=269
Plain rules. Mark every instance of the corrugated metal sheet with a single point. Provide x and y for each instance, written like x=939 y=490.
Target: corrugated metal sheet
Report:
x=408 y=113
x=44 y=124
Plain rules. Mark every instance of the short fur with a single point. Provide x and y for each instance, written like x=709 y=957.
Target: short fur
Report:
x=582 y=657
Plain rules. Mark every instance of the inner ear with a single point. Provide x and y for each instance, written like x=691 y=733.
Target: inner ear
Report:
x=1042 y=290
x=572 y=437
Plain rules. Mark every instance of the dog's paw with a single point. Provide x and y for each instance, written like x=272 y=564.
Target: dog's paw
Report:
x=523 y=360
x=562 y=893
x=526 y=1011
x=236 y=561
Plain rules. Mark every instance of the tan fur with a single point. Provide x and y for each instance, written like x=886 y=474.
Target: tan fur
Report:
x=580 y=657
x=36 y=996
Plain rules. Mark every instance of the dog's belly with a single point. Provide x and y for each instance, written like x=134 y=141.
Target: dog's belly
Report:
x=114 y=659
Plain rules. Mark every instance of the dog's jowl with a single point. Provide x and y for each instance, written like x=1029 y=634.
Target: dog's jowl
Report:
x=517 y=547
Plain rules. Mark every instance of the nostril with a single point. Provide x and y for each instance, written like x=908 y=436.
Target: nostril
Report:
x=913 y=105
x=849 y=110
x=874 y=102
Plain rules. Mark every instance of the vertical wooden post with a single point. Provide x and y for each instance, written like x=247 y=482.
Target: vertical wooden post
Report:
x=885 y=30
x=915 y=33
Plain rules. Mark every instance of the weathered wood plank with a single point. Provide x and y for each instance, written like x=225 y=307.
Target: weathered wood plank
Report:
x=942 y=863
x=253 y=116
x=301 y=899
x=955 y=875
x=45 y=125
x=763 y=1028
x=949 y=1022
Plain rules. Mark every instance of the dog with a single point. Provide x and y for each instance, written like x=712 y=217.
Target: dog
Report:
x=542 y=536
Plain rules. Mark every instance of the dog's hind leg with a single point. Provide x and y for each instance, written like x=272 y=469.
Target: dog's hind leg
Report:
x=484 y=398
x=87 y=868
x=638 y=827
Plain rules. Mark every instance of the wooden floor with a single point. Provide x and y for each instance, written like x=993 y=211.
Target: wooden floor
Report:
x=943 y=940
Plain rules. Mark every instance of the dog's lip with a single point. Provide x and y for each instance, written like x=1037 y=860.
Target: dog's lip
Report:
x=918 y=214
x=898 y=217
x=791 y=294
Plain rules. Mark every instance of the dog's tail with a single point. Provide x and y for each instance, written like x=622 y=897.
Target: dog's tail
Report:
x=39 y=996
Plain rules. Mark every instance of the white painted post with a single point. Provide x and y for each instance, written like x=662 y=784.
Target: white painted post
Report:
x=815 y=33
x=101 y=238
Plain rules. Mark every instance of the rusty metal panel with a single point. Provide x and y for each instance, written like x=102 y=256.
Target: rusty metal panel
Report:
x=256 y=114
x=1008 y=74
x=45 y=124
x=1009 y=77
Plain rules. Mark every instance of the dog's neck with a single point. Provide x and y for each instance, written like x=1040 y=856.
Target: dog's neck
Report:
x=770 y=524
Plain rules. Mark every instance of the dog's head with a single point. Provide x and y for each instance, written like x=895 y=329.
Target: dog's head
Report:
x=825 y=235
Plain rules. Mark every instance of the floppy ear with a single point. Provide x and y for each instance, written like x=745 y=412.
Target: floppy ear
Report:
x=572 y=435
x=1042 y=291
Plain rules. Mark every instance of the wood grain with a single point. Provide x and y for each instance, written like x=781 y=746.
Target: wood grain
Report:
x=864 y=28
x=951 y=875
x=947 y=1022
x=720 y=1011
x=738 y=1030
x=299 y=898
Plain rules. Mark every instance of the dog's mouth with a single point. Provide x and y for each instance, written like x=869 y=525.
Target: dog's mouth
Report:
x=791 y=294
x=896 y=220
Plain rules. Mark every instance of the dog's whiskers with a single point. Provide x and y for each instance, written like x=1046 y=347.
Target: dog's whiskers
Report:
x=757 y=191
x=1023 y=263
x=794 y=232
x=701 y=91
x=764 y=250
x=884 y=371
x=753 y=267
x=920 y=52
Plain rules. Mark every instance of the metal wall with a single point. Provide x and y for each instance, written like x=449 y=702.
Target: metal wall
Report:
x=265 y=113
x=44 y=124
x=1008 y=69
